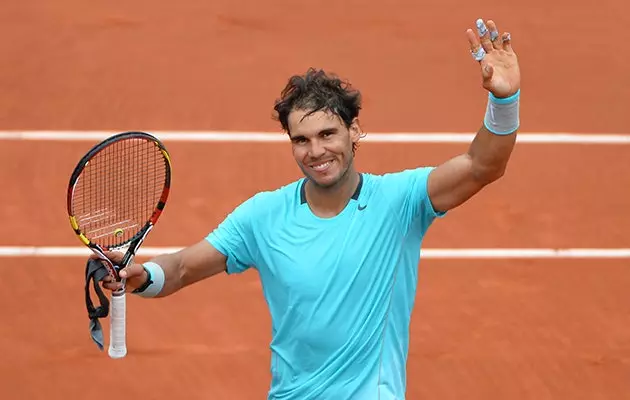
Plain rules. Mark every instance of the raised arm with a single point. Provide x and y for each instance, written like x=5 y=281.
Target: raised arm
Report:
x=458 y=179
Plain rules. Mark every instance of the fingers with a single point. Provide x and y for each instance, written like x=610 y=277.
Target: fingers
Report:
x=134 y=276
x=495 y=39
x=484 y=35
x=499 y=42
x=131 y=271
x=487 y=39
x=111 y=284
x=476 y=49
x=507 y=42
x=114 y=256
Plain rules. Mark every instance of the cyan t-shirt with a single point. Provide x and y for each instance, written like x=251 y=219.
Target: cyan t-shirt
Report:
x=340 y=290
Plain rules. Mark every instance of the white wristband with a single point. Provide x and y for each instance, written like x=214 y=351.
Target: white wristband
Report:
x=156 y=276
x=502 y=114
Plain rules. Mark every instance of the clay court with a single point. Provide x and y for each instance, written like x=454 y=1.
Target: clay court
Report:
x=512 y=328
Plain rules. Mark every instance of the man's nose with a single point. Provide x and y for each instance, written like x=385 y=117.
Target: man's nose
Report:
x=317 y=149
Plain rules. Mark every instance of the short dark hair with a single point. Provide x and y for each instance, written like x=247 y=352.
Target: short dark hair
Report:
x=315 y=91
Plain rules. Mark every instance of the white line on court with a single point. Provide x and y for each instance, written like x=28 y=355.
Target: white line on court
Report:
x=485 y=253
x=394 y=137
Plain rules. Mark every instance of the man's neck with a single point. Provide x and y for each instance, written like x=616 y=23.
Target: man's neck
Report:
x=326 y=202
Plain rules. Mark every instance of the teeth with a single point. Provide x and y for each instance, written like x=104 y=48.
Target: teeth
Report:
x=320 y=167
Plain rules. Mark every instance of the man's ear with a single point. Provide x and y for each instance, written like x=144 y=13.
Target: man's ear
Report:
x=355 y=131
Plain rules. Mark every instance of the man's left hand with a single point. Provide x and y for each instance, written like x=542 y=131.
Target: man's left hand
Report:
x=499 y=65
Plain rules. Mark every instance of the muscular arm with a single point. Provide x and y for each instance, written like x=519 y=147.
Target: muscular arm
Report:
x=189 y=265
x=181 y=268
x=458 y=179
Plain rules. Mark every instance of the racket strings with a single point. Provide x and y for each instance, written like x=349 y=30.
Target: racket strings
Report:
x=118 y=191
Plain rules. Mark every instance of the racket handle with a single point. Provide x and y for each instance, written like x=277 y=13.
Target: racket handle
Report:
x=118 y=341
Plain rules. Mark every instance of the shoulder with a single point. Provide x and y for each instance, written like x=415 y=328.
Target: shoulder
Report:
x=399 y=181
x=418 y=173
x=271 y=202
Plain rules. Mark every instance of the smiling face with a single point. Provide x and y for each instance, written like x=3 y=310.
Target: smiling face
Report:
x=322 y=145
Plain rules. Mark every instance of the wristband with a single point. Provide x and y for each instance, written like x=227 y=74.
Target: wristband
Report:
x=154 y=283
x=502 y=114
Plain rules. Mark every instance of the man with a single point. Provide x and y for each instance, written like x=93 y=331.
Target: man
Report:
x=337 y=251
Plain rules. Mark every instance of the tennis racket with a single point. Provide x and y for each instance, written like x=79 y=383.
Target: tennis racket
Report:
x=116 y=194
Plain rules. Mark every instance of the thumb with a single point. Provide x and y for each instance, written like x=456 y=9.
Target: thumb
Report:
x=131 y=271
x=487 y=71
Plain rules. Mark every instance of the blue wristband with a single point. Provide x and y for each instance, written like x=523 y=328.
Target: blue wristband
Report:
x=155 y=280
x=505 y=100
x=502 y=114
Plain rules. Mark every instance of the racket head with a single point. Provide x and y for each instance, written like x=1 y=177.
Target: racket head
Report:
x=117 y=192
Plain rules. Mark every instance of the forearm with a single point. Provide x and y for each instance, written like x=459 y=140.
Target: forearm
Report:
x=489 y=154
x=174 y=272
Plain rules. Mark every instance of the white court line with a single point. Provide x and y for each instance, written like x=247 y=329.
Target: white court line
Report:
x=485 y=253
x=394 y=137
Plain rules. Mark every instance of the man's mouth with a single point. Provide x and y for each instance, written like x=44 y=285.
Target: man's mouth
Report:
x=322 y=166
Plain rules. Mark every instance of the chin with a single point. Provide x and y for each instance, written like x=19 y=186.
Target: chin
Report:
x=326 y=180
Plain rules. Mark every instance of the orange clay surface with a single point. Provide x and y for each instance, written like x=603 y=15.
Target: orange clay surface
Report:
x=482 y=329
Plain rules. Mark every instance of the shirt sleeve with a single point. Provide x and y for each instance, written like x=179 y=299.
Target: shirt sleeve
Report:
x=408 y=190
x=235 y=237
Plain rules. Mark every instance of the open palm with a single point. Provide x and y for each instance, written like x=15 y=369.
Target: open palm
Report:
x=499 y=65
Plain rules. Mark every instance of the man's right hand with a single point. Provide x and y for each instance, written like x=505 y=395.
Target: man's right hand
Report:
x=135 y=274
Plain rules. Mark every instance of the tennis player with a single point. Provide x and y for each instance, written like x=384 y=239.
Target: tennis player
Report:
x=338 y=250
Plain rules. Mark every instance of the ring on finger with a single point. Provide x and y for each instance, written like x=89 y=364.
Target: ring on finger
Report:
x=478 y=54
x=494 y=35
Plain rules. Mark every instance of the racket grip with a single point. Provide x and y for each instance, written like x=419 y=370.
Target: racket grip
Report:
x=118 y=340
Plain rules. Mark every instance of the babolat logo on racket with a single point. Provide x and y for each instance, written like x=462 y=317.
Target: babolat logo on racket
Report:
x=116 y=194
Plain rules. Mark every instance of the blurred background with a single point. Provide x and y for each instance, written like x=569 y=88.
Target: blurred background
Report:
x=498 y=328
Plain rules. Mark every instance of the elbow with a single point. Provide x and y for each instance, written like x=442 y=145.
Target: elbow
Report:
x=488 y=174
